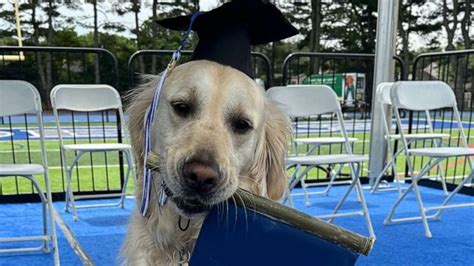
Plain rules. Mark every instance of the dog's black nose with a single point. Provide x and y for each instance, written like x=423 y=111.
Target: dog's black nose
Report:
x=200 y=177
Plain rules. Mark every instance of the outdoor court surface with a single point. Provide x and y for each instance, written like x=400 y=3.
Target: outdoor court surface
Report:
x=101 y=232
x=92 y=126
x=96 y=127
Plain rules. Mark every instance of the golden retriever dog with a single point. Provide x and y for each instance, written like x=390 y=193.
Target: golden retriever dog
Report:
x=215 y=131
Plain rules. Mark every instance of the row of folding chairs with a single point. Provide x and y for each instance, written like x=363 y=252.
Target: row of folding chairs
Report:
x=428 y=136
x=303 y=101
x=22 y=98
x=426 y=96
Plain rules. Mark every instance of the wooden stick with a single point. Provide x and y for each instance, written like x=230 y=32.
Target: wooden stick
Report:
x=303 y=221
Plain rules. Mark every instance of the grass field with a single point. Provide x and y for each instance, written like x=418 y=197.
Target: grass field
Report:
x=105 y=170
x=105 y=173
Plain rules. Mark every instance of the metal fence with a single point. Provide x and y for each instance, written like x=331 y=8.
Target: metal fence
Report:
x=351 y=77
x=46 y=67
x=155 y=61
x=457 y=69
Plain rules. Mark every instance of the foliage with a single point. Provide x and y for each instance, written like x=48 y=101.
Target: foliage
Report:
x=346 y=26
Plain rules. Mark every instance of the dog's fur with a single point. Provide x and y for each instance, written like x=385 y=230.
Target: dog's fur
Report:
x=253 y=160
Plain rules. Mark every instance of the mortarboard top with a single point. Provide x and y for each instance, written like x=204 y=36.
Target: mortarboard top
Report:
x=227 y=32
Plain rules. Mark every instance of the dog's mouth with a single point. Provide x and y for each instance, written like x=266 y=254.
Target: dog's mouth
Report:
x=191 y=207
x=188 y=206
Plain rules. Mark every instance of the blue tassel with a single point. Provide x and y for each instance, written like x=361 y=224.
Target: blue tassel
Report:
x=147 y=173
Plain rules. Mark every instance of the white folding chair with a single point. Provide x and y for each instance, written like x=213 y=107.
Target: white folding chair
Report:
x=383 y=96
x=313 y=145
x=20 y=98
x=313 y=100
x=427 y=96
x=89 y=98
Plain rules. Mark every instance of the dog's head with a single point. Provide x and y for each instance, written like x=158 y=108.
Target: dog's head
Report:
x=215 y=131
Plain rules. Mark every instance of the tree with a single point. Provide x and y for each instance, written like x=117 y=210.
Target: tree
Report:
x=352 y=25
x=96 y=41
x=466 y=23
x=51 y=12
x=36 y=40
x=154 y=32
x=316 y=19
x=450 y=21
x=411 y=21
x=299 y=14
x=134 y=7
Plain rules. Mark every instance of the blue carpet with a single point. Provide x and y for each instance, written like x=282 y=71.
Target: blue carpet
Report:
x=101 y=231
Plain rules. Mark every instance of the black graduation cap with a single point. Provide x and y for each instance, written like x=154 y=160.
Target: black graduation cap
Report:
x=227 y=32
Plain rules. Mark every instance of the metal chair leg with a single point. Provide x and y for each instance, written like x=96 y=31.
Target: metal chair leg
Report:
x=396 y=176
x=414 y=186
x=440 y=169
x=333 y=174
x=443 y=180
x=129 y=171
x=390 y=163
x=365 y=209
x=72 y=202
x=45 y=227
x=360 y=192
x=379 y=177
x=288 y=197
x=307 y=202
x=355 y=169
x=421 y=207
x=54 y=237
x=44 y=201
x=293 y=180
x=451 y=195
x=298 y=177
x=47 y=208
x=355 y=184
x=343 y=199
x=68 y=183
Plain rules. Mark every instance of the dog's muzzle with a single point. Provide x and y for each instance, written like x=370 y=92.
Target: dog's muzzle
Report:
x=201 y=178
x=200 y=181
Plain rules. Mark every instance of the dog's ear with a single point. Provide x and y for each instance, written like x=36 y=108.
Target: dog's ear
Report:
x=268 y=168
x=138 y=102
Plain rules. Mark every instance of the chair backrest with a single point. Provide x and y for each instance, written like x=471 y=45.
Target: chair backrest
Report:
x=422 y=95
x=383 y=97
x=425 y=96
x=18 y=97
x=305 y=100
x=383 y=93
x=309 y=100
x=85 y=98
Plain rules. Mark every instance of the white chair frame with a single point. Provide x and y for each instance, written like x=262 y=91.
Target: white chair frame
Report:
x=89 y=98
x=17 y=98
x=314 y=144
x=312 y=100
x=441 y=96
x=383 y=96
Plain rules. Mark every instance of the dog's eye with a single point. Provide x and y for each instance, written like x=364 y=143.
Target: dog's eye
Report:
x=241 y=126
x=181 y=108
